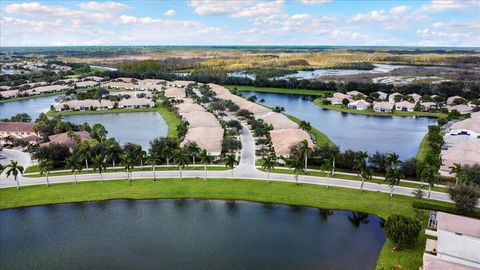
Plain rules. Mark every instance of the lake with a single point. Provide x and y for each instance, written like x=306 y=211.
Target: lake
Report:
x=187 y=234
x=401 y=135
x=32 y=107
x=136 y=127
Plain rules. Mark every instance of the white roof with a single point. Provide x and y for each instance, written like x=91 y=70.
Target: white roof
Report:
x=175 y=92
x=135 y=102
x=208 y=138
x=383 y=105
x=472 y=124
x=278 y=120
x=284 y=139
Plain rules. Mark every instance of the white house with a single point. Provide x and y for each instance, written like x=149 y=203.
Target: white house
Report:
x=84 y=105
x=427 y=106
x=450 y=100
x=337 y=98
x=359 y=105
x=404 y=106
x=416 y=97
x=462 y=108
x=383 y=106
x=469 y=127
x=136 y=103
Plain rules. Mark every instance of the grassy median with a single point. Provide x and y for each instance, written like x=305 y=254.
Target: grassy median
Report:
x=250 y=190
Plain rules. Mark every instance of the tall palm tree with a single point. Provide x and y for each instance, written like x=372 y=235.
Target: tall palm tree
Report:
x=429 y=175
x=361 y=166
x=205 y=158
x=113 y=150
x=180 y=159
x=334 y=152
x=84 y=153
x=166 y=153
x=457 y=170
x=100 y=165
x=305 y=126
x=268 y=164
x=73 y=163
x=45 y=167
x=305 y=149
x=231 y=161
x=127 y=163
x=192 y=150
x=327 y=166
x=153 y=159
x=297 y=166
x=392 y=175
x=14 y=169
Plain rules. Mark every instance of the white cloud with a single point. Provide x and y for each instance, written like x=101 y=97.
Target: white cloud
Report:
x=398 y=10
x=36 y=9
x=437 y=34
x=102 y=6
x=236 y=9
x=457 y=26
x=443 y=5
x=313 y=2
x=170 y=13
x=209 y=30
x=392 y=19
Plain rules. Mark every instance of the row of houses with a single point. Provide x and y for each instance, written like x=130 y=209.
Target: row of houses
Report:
x=103 y=104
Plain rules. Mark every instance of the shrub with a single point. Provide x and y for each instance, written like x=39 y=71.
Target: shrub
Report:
x=402 y=230
x=464 y=196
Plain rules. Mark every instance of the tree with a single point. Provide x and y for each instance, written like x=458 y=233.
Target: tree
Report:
x=127 y=163
x=205 y=158
x=428 y=175
x=192 y=150
x=334 y=152
x=14 y=169
x=180 y=159
x=327 y=167
x=99 y=132
x=113 y=150
x=166 y=154
x=44 y=167
x=305 y=126
x=153 y=159
x=402 y=231
x=392 y=176
x=345 y=102
x=83 y=152
x=465 y=197
x=457 y=170
x=268 y=164
x=305 y=149
x=100 y=165
x=73 y=163
x=363 y=170
x=296 y=165
x=231 y=161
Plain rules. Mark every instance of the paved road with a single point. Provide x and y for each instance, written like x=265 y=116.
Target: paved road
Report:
x=245 y=170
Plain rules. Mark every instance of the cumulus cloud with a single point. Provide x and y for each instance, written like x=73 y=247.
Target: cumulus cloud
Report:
x=443 y=5
x=391 y=19
x=398 y=10
x=313 y=2
x=236 y=9
x=170 y=13
x=457 y=26
x=102 y=6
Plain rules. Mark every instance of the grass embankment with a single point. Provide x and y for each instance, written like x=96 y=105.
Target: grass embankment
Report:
x=250 y=190
x=344 y=109
x=320 y=138
x=243 y=88
x=171 y=119
x=424 y=148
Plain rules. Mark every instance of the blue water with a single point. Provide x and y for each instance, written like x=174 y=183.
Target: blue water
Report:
x=401 y=135
x=187 y=234
x=32 y=107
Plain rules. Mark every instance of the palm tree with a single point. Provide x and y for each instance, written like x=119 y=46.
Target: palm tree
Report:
x=327 y=166
x=305 y=126
x=363 y=170
x=268 y=164
x=180 y=159
x=45 y=166
x=84 y=153
x=1 y=171
x=428 y=174
x=205 y=158
x=305 y=149
x=73 y=163
x=231 y=161
x=127 y=163
x=297 y=166
x=392 y=175
x=166 y=153
x=113 y=150
x=153 y=159
x=100 y=165
x=14 y=169
x=457 y=170
x=192 y=150
x=334 y=152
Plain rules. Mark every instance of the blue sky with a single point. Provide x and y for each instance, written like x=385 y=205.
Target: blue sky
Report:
x=248 y=22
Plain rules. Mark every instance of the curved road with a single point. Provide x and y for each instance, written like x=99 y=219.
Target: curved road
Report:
x=245 y=170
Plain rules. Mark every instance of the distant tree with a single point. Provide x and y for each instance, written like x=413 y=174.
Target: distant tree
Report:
x=392 y=175
x=153 y=158
x=100 y=165
x=402 y=230
x=99 y=132
x=297 y=166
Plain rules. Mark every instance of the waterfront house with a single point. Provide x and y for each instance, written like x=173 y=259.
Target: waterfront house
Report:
x=67 y=139
x=136 y=103
x=404 y=106
x=18 y=131
x=284 y=139
x=84 y=105
x=359 y=105
x=383 y=107
x=85 y=84
x=466 y=152
x=451 y=100
x=337 y=98
x=457 y=243
x=278 y=121
x=462 y=108
x=175 y=92
x=9 y=93
x=468 y=127
x=427 y=106
x=355 y=94
x=208 y=138
x=48 y=89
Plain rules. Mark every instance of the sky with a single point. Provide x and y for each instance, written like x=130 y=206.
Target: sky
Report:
x=250 y=22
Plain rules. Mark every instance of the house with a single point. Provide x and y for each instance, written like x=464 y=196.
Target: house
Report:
x=464 y=153
x=175 y=92
x=48 y=89
x=337 y=98
x=462 y=108
x=353 y=94
x=416 y=97
x=427 y=106
x=18 y=131
x=404 y=106
x=84 y=105
x=9 y=94
x=359 y=105
x=469 y=127
x=451 y=100
x=383 y=106
x=93 y=78
x=381 y=95
x=208 y=138
x=284 y=139
x=84 y=84
x=136 y=103
x=391 y=97
x=457 y=244
x=68 y=139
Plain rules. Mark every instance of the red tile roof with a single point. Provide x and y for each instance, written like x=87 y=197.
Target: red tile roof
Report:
x=16 y=126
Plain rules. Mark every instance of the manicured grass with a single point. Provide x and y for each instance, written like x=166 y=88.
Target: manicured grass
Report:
x=249 y=190
x=320 y=138
x=424 y=148
x=279 y=90
x=341 y=108
x=171 y=119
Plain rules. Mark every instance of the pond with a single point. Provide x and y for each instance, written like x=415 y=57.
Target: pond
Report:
x=322 y=72
x=32 y=107
x=401 y=135
x=136 y=127
x=187 y=234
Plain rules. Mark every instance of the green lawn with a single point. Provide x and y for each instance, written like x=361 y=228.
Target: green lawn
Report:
x=320 y=138
x=341 y=108
x=279 y=90
x=424 y=148
x=171 y=119
x=249 y=190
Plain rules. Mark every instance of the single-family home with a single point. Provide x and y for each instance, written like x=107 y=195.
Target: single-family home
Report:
x=391 y=97
x=359 y=105
x=465 y=153
x=84 y=84
x=175 y=92
x=353 y=94
x=67 y=139
x=451 y=100
x=338 y=98
x=84 y=105
x=427 y=106
x=461 y=108
x=383 y=106
x=416 y=97
x=8 y=94
x=469 y=127
x=93 y=78
x=18 y=131
x=136 y=103
x=404 y=106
